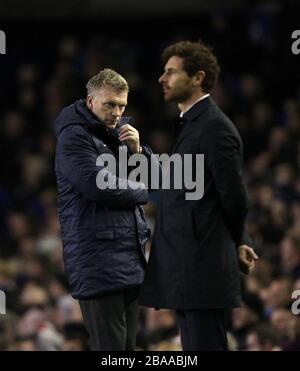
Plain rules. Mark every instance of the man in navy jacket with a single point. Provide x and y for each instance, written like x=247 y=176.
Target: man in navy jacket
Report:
x=103 y=230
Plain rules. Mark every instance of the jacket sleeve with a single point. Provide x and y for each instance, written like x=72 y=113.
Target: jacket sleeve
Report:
x=224 y=159
x=77 y=157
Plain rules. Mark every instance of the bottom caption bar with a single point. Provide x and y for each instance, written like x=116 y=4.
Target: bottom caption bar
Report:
x=141 y=359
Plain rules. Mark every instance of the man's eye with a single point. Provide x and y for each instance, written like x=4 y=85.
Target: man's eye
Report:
x=110 y=105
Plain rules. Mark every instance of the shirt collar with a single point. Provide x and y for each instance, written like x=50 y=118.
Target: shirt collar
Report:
x=198 y=100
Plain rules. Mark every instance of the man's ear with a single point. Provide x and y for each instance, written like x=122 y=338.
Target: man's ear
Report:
x=89 y=102
x=199 y=78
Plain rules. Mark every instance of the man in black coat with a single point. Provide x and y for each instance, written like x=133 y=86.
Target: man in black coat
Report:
x=103 y=229
x=200 y=245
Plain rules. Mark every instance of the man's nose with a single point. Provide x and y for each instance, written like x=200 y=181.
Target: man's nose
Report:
x=116 y=111
x=161 y=79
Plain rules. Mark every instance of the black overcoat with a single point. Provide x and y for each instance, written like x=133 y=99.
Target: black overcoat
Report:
x=193 y=262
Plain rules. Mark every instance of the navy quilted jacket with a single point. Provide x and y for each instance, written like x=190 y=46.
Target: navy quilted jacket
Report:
x=103 y=231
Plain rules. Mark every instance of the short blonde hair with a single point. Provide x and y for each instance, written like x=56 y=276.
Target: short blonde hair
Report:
x=107 y=78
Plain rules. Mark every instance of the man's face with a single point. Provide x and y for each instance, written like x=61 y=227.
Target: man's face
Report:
x=176 y=83
x=108 y=105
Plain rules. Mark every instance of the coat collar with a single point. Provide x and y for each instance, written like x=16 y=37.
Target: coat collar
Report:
x=197 y=109
x=94 y=124
x=192 y=114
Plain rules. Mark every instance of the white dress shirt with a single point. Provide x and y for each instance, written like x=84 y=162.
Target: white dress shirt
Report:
x=198 y=100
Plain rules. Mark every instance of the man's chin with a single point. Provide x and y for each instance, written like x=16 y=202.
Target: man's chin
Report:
x=111 y=125
x=171 y=97
x=168 y=97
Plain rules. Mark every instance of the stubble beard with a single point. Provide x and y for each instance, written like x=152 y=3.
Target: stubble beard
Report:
x=177 y=96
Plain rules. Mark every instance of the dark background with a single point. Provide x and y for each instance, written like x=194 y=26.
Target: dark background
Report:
x=52 y=50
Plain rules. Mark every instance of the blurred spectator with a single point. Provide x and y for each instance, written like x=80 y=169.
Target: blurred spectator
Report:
x=286 y=326
x=262 y=339
x=41 y=315
x=245 y=318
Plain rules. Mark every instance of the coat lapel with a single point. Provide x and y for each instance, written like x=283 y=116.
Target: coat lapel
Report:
x=190 y=116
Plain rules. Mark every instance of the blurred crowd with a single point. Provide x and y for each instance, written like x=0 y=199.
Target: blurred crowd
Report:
x=40 y=313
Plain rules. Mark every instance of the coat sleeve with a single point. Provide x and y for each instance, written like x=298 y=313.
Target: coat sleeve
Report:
x=224 y=159
x=77 y=157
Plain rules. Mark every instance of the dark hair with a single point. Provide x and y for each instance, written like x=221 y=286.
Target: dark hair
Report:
x=196 y=57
